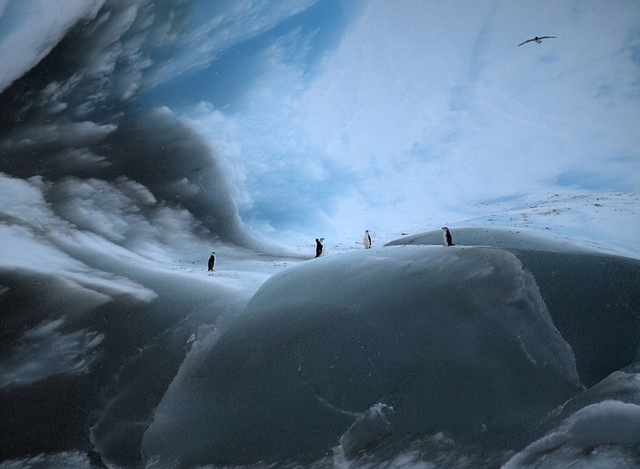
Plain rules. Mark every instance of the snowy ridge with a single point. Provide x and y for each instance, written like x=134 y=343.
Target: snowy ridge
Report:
x=608 y=221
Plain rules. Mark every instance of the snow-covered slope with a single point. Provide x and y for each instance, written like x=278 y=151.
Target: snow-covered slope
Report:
x=605 y=221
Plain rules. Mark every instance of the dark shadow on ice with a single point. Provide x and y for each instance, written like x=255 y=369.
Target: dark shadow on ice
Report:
x=456 y=340
x=106 y=404
x=593 y=297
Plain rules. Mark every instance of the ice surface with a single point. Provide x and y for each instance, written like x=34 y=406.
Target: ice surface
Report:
x=592 y=296
x=454 y=339
x=370 y=425
x=609 y=431
x=502 y=237
x=147 y=292
x=96 y=313
x=44 y=351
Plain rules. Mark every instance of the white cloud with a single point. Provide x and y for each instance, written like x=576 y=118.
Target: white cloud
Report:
x=40 y=240
x=80 y=158
x=63 y=133
x=231 y=23
x=426 y=108
x=452 y=85
x=34 y=28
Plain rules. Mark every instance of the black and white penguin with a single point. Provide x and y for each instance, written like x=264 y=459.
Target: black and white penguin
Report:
x=446 y=236
x=319 y=247
x=212 y=261
x=367 y=239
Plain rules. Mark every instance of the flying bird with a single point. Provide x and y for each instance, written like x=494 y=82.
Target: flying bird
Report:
x=537 y=39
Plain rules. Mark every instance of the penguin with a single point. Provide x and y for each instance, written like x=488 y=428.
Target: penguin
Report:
x=446 y=236
x=367 y=239
x=319 y=247
x=212 y=261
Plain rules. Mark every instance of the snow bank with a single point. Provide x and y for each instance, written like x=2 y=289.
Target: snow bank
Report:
x=501 y=237
x=453 y=339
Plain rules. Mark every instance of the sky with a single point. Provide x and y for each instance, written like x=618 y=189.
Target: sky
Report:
x=422 y=109
x=329 y=117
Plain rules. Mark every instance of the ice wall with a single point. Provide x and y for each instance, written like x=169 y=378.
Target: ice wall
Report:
x=446 y=339
x=592 y=296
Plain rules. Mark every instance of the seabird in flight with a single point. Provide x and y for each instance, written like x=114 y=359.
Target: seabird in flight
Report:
x=537 y=39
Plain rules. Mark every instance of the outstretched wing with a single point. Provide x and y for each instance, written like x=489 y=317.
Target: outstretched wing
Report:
x=538 y=39
x=528 y=40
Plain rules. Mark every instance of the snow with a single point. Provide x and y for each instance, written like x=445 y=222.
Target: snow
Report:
x=603 y=221
x=608 y=431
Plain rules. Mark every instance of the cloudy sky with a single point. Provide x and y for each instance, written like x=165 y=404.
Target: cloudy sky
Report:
x=409 y=113
x=328 y=117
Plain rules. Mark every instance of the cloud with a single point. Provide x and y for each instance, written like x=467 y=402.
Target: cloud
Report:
x=302 y=144
x=39 y=239
x=424 y=109
x=122 y=47
x=155 y=151
x=32 y=28
x=65 y=120
x=62 y=134
x=80 y=160
x=413 y=115
x=124 y=212
x=220 y=28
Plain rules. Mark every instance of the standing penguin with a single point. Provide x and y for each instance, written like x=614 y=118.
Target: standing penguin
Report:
x=367 y=240
x=212 y=261
x=319 y=247
x=446 y=236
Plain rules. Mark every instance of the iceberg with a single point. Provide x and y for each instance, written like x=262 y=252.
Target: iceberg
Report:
x=455 y=340
x=592 y=295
